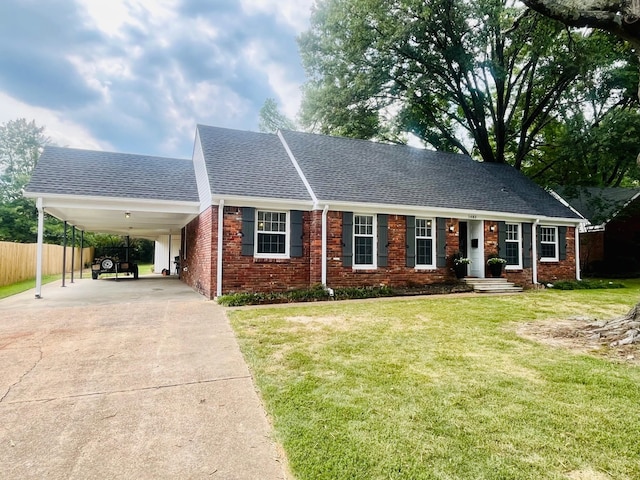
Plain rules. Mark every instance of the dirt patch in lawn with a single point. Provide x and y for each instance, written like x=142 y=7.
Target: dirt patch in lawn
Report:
x=573 y=334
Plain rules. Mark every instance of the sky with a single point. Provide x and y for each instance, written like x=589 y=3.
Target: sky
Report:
x=137 y=76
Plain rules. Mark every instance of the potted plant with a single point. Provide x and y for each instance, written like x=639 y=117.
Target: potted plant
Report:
x=496 y=264
x=460 y=265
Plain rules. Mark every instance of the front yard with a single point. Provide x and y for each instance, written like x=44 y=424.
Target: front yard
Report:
x=445 y=388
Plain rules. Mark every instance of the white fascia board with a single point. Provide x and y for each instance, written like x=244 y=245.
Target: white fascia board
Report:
x=461 y=214
x=201 y=173
x=112 y=203
x=263 y=202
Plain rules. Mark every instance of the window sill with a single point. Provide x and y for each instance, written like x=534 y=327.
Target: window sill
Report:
x=425 y=268
x=549 y=260
x=271 y=260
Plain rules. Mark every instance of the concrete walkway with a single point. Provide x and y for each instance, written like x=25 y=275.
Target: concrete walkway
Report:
x=127 y=379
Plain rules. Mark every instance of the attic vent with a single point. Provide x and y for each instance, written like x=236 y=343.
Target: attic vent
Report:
x=504 y=189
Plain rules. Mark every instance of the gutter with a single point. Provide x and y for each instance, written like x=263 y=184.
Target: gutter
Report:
x=324 y=246
x=220 y=242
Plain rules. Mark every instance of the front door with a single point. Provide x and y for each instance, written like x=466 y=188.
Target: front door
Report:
x=475 y=247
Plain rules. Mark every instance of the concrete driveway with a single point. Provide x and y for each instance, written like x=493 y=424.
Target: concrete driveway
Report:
x=127 y=379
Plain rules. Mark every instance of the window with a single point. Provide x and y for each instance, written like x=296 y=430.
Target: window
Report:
x=363 y=241
x=271 y=234
x=512 y=245
x=549 y=244
x=424 y=243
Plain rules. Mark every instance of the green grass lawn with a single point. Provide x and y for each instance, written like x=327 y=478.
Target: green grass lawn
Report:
x=19 y=287
x=443 y=388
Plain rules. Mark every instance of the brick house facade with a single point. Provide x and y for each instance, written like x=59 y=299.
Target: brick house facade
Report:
x=258 y=212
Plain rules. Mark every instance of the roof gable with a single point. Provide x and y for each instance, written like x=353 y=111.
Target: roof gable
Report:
x=598 y=204
x=251 y=164
x=69 y=171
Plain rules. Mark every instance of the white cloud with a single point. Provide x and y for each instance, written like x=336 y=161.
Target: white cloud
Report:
x=294 y=13
x=62 y=132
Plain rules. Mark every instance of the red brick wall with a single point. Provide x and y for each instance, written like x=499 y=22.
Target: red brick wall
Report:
x=397 y=273
x=248 y=274
x=591 y=249
x=564 y=269
x=200 y=264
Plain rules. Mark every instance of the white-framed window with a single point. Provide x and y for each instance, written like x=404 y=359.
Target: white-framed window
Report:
x=425 y=251
x=272 y=234
x=364 y=241
x=513 y=245
x=549 y=244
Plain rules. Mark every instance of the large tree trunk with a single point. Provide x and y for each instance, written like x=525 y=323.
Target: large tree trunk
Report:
x=618 y=332
x=622 y=18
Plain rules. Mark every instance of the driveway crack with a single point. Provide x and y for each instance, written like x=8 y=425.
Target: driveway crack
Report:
x=17 y=382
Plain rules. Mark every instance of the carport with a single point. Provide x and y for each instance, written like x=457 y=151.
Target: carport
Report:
x=137 y=196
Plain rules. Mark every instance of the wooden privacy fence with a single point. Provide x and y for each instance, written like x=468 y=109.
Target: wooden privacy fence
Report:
x=18 y=260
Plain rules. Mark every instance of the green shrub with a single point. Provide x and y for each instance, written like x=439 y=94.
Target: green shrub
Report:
x=584 y=285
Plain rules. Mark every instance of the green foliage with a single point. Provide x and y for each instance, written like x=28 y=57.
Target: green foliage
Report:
x=312 y=294
x=21 y=144
x=592 y=140
x=584 y=285
x=272 y=120
x=487 y=73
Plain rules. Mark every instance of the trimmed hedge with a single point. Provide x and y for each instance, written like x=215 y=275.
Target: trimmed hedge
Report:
x=584 y=285
x=318 y=293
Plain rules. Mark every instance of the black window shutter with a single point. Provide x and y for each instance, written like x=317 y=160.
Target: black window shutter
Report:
x=383 y=240
x=248 y=222
x=502 y=238
x=347 y=239
x=295 y=246
x=538 y=243
x=562 y=243
x=526 y=245
x=411 y=241
x=441 y=242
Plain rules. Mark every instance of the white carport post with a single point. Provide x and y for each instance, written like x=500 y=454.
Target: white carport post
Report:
x=39 y=248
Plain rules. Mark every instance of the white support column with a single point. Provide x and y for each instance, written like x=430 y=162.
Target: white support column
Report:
x=220 y=242
x=577 y=240
x=39 y=248
x=534 y=252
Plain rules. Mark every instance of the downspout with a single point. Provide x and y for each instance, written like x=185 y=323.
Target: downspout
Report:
x=324 y=245
x=220 y=242
x=534 y=252
x=577 y=241
x=39 y=248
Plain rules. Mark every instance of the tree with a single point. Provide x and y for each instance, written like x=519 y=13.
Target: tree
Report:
x=272 y=120
x=21 y=144
x=590 y=139
x=621 y=18
x=482 y=78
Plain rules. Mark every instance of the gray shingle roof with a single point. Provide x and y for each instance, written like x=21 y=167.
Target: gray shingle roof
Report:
x=598 y=204
x=105 y=174
x=342 y=169
x=249 y=164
